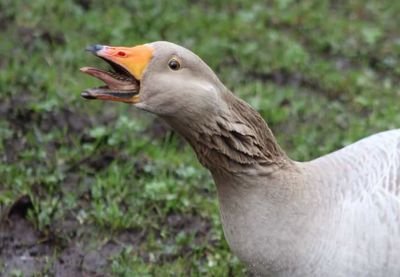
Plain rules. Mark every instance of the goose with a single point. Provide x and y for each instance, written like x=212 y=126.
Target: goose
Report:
x=337 y=215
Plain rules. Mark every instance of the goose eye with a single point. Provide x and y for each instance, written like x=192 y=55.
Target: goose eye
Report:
x=174 y=64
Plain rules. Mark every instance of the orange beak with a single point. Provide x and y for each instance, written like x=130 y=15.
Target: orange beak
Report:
x=129 y=64
x=134 y=59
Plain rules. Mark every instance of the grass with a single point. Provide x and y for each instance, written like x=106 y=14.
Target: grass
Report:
x=322 y=73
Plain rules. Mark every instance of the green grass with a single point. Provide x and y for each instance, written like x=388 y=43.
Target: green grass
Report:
x=322 y=73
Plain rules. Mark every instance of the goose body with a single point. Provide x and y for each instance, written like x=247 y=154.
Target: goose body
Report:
x=338 y=215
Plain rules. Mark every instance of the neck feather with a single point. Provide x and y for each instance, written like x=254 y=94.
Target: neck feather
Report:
x=235 y=139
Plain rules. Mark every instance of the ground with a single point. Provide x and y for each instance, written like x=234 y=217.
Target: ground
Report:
x=101 y=189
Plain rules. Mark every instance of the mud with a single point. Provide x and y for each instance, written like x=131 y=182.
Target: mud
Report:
x=24 y=248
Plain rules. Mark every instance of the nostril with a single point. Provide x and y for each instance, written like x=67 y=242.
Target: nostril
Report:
x=121 y=54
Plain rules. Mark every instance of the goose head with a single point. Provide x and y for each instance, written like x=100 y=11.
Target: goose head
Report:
x=160 y=77
x=172 y=82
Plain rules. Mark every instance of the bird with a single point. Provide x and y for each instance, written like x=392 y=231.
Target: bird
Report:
x=336 y=215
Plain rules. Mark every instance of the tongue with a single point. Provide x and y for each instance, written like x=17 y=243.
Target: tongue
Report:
x=111 y=82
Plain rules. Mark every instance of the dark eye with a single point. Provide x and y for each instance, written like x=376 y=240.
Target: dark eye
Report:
x=174 y=64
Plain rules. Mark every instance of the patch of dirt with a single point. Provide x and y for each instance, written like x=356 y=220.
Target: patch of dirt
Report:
x=76 y=124
x=17 y=112
x=193 y=224
x=24 y=248
x=97 y=161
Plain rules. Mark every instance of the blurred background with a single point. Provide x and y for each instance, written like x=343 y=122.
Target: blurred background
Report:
x=101 y=189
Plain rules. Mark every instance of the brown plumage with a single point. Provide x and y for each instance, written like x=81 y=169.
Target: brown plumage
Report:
x=233 y=140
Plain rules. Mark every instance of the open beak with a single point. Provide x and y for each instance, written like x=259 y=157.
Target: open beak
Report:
x=122 y=82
